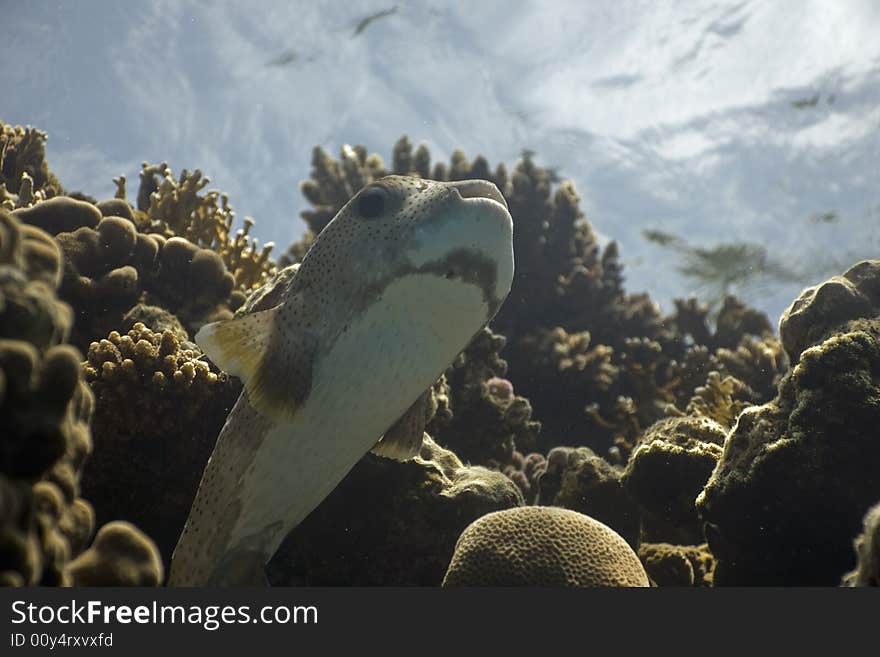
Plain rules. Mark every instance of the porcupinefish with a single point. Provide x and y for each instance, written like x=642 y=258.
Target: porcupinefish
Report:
x=391 y=291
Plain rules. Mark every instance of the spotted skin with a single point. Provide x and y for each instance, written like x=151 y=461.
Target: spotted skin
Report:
x=390 y=292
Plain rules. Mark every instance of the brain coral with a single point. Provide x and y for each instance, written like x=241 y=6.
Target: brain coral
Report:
x=542 y=546
x=796 y=473
x=390 y=523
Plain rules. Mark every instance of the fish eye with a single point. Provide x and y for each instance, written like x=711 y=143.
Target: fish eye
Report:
x=371 y=202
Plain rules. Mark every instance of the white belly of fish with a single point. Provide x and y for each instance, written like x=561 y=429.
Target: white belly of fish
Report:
x=374 y=372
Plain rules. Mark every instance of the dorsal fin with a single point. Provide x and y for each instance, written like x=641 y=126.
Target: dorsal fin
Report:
x=403 y=439
x=276 y=369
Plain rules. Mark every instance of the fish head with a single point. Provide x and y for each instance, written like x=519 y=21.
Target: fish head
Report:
x=401 y=225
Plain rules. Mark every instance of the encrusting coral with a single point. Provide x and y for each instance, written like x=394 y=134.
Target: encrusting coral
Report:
x=46 y=408
x=542 y=546
x=677 y=565
x=667 y=470
x=797 y=473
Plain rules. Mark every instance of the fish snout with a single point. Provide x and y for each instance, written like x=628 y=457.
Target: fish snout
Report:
x=479 y=189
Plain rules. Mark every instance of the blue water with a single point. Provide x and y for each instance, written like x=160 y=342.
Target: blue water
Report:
x=716 y=121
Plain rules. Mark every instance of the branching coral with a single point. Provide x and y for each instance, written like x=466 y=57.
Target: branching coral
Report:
x=542 y=546
x=157 y=399
x=24 y=174
x=175 y=207
x=391 y=523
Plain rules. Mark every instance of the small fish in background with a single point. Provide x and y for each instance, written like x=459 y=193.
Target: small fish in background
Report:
x=365 y=22
x=338 y=357
x=805 y=103
x=824 y=218
x=285 y=58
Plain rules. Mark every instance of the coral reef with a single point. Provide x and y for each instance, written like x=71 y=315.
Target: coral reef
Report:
x=391 y=523
x=677 y=565
x=796 y=473
x=719 y=452
x=175 y=208
x=120 y=556
x=542 y=546
x=577 y=478
x=867 y=546
x=24 y=173
x=568 y=322
x=110 y=267
x=485 y=421
x=154 y=397
x=46 y=407
x=668 y=469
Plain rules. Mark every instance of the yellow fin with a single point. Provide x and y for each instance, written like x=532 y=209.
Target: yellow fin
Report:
x=403 y=440
x=238 y=345
x=277 y=379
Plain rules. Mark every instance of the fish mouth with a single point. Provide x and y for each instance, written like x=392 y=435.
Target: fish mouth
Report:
x=481 y=190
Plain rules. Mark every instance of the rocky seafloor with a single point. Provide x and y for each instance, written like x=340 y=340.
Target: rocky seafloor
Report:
x=585 y=438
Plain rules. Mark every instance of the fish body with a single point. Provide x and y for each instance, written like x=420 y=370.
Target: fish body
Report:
x=391 y=291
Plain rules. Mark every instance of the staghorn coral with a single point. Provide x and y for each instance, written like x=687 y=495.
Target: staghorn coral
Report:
x=577 y=478
x=24 y=174
x=796 y=473
x=46 y=408
x=677 y=565
x=154 y=397
x=666 y=472
x=120 y=556
x=721 y=399
x=867 y=547
x=391 y=523
x=542 y=546
x=176 y=208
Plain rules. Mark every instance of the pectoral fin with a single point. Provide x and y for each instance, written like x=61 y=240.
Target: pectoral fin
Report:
x=404 y=439
x=274 y=363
